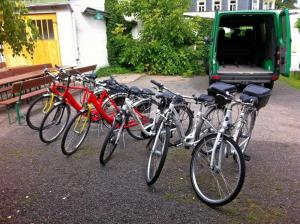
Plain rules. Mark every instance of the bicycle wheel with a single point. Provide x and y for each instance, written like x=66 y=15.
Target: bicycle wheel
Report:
x=146 y=110
x=245 y=131
x=219 y=185
x=75 y=133
x=186 y=119
x=109 y=108
x=54 y=123
x=159 y=149
x=38 y=109
x=110 y=143
x=211 y=122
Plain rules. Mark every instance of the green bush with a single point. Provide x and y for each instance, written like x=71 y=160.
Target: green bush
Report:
x=169 y=43
x=297 y=25
x=106 y=71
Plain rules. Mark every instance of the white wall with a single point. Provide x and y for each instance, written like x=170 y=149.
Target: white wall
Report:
x=91 y=34
x=295 y=35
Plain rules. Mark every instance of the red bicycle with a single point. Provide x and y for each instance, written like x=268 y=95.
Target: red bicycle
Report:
x=79 y=126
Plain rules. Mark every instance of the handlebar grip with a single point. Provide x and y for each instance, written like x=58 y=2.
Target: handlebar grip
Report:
x=157 y=83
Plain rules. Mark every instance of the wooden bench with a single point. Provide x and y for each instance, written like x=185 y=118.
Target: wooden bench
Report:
x=20 y=92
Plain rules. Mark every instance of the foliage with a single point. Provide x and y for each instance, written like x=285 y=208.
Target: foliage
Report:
x=290 y=4
x=106 y=71
x=297 y=25
x=168 y=42
x=16 y=31
x=293 y=80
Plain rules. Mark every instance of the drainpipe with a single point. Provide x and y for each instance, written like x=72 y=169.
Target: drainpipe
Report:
x=76 y=44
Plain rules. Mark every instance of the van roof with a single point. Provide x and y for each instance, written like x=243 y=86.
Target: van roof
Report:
x=247 y=12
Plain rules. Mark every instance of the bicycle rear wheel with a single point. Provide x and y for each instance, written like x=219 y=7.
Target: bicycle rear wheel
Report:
x=75 y=133
x=219 y=185
x=38 y=109
x=54 y=123
x=211 y=122
x=110 y=143
x=246 y=128
x=159 y=149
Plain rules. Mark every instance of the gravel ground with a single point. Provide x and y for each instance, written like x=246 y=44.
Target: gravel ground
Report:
x=38 y=184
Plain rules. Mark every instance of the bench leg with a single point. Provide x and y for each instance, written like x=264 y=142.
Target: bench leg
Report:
x=18 y=113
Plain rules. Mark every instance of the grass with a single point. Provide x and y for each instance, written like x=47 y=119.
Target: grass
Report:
x=293 y=80
x=111 y=70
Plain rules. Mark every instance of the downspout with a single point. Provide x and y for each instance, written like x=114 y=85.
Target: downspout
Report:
x=76 y=44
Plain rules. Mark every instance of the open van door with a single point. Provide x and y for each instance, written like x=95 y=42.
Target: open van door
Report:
x=285 y=43
x=213 y=64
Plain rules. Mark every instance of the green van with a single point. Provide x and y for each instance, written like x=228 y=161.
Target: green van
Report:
x=250 y=47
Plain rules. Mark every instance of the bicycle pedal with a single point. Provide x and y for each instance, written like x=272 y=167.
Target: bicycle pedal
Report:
x=187 y=147
x=247 y=157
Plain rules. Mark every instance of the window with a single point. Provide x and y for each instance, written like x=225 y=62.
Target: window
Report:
x=269 y=4
x=201 y=5
x=233 y=5
x=255 y=4
x=217 y=5
x=45 y=28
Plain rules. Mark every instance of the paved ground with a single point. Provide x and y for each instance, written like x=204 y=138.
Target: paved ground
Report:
x=40 y=185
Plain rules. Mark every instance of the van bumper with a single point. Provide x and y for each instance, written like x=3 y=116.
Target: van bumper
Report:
x=245 y=78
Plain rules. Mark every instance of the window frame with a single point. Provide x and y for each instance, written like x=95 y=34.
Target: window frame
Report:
x=237 y=5
x=198 y=5
x=258 y=3
x=213 y=5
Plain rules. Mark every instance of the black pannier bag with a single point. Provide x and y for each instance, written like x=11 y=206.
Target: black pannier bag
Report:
x=263 y=94
x=221 y=88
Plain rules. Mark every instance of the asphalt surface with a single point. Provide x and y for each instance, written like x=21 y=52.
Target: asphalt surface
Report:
x=38 y=184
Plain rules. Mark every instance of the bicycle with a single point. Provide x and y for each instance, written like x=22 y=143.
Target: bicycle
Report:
x=56 y=120
x=78 y=127
x=42 y=105
x=144 y=125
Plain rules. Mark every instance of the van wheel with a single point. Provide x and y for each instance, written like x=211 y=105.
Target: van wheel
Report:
x=210 y=82
x=269 y=85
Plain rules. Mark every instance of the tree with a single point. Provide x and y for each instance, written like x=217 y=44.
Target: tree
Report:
x=168 y=41
x=15 y=30
x=290 y=4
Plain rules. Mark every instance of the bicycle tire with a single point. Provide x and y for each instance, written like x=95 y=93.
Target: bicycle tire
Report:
x=144 y=107
x=111 y=138
x=151 y=178
x=35 y=125
x=202 y=130
x=187 y=126
x=249 y=129
x=58 y=110
x=67 y=146
x=232 y=155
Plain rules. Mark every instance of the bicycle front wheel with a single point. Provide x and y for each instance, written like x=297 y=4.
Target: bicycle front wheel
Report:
x=75 y=133
x=110 y=143
x=38 y=109
x=159 y=149
x=221 y=183
x=54 y=123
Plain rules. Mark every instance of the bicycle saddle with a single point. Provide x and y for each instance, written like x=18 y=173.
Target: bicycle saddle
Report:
x=147 y=91
x=165 y=95
x=135 y=90
x=204 y=98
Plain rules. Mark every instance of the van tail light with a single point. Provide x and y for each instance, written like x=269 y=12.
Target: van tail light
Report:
x=274 y=77
x=277 y=56
x=216 y=77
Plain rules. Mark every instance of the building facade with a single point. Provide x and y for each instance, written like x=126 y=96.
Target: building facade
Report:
x=72 y=33
x=225 y=5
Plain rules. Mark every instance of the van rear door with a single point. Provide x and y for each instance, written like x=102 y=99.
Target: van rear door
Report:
x=285 y=42
x=213 y=64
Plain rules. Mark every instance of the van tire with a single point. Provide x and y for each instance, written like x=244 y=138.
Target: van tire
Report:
x=269 y=85
x=210 y=81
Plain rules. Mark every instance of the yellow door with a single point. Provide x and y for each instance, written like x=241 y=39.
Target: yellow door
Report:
x=47 y=46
